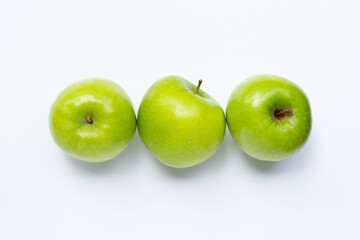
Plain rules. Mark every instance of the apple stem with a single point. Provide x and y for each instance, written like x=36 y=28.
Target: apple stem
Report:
x=89 y=120
x=282 y=114
x=198 y=86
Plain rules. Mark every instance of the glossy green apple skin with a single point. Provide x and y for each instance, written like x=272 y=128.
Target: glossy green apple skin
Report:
x=113 y=116
x=251 y=122
x=181 y=128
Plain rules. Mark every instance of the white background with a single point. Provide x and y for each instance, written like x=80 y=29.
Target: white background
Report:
x=47 y=45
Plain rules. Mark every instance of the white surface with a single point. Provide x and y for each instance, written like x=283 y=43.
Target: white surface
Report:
x=47 y=45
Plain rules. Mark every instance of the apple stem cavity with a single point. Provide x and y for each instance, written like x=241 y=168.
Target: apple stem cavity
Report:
x=89 y=120
x=282 y=114
x=198 y=86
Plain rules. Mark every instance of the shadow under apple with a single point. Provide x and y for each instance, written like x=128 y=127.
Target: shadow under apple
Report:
x=213 y=165
x=128 y=159
x=295 y=163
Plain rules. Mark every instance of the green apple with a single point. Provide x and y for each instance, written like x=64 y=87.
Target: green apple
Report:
x=269 y=117
x=179 y=123
x=92 y=120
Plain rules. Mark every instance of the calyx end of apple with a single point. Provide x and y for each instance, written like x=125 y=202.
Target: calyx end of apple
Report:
x=89 y=120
